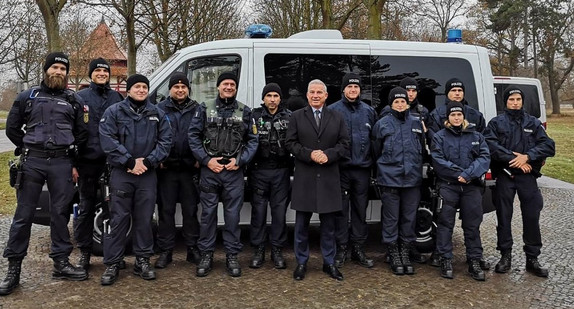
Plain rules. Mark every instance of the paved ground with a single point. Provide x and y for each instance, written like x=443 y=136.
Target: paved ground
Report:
x=177 y=287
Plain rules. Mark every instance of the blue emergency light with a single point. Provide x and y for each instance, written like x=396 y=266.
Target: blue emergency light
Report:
x=454 y=36
x=258 y=31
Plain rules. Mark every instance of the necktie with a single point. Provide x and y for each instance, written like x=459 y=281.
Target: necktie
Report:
x=318 y=118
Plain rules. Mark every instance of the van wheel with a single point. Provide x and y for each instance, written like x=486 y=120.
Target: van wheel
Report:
x=98 y=234
x=425 y=230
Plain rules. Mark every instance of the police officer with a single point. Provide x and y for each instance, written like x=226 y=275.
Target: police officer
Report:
x=454 y=91
x=136 y=136
x=92 y=159
x=355 y=172
x=54 y=124
x=269 y=177
x=460 y=157
x=416 y=109
x=223 y=139
x=399 y=143
x=519 y=145
x=178 y=175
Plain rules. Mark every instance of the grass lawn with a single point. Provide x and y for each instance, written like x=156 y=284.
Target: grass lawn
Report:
x=7 y=193
x=3 y=116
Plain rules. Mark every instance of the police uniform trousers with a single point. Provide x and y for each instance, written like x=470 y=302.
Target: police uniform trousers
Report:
x=57 y=172
x=269 y=187
x=355 y=189
x=328 y=242
x=131 y=197
x=530 y=205
x=89 y=183
x=468 y=198
x=229 y=186
x=177 y=185
x=399 y=213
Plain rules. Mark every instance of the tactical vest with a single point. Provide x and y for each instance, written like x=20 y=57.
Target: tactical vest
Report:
x=272 y=134
x=223 y=136
x=49 y=120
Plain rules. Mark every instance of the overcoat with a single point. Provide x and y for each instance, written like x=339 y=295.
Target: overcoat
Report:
x=317 y=187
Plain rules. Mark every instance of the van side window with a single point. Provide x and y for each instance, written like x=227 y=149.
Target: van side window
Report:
x=293 y=72
x=430 y=72
x=203 y=73
x=531 y=103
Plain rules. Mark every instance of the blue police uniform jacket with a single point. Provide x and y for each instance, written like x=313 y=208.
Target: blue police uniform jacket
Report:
x=462 y=153
x=438 y=117
x=125 y=134
x=360 y=119
x=198 y=125
x=53 y=119
x=96 y=99
x=398 y=146
x=517 y=131
x=179 y=117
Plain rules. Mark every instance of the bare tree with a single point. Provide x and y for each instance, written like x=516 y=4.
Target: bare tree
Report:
x=75 y=32
x=9 y=28
x=50 y=10
x=374 y=12
x=442 y=13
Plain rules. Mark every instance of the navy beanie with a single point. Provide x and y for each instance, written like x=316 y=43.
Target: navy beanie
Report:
x=98 y=63
x=510 y=91
x=57 y=57
x=397 y=93
x=271 y=87
x=227 y=75
x=134 y=79
x=454 y=106
x=409 y=83
x=350 y=78
x=452 y=83
x=178 y=78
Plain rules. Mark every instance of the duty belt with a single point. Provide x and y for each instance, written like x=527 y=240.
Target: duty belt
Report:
x=45 y=154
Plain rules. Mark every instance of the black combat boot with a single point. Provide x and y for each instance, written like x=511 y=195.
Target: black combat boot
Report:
x=446 y=270
x=358 y=255
x=475 y=270
x=84 y=260
x=341 y=255
x=111 y=274
x=405 y=252
x=12 y=279
x=193 y=255
x=143 y=268
x=505 y=262
x=66 y=271
x=434 y=259
x=277 y=258
x=165 y=257
x=395 y=259
x=258 y=257
x=533 y=266
x=204 y=266
x=232 y=265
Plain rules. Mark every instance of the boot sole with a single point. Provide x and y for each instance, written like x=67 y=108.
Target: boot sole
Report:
x=70 y=278
x=139 y=274
x=448 y=275
x=203 y=273
x=232 y=274
x=108 y=282
x=8 y=292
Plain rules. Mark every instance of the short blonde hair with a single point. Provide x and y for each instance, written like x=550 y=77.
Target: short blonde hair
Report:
x=447 y=124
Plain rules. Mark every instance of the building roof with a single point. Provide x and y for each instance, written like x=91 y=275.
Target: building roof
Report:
x=102 y=43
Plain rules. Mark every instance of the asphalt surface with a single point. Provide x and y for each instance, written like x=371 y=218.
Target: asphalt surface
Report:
x=177 y=286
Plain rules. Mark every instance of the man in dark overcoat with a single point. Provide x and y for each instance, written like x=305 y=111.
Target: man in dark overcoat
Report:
x=318 y=139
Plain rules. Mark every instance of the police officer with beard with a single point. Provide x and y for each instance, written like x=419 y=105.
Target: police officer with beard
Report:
x=519 y=146
x=53 y=122
x=178 y=175
x=269 y=177
x=223 y=138
x=136 y=136
x=92 y=159
x=355 y=172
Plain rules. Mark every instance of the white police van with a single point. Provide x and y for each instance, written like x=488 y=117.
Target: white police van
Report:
x=534 y=103
x=324 y=54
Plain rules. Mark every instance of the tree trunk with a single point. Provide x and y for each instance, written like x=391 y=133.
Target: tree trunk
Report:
x=132 y=50
x=51 y=12
x=375 y=10
x=553 y=91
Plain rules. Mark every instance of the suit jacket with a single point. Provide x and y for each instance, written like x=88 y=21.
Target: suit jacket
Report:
x=317 y=187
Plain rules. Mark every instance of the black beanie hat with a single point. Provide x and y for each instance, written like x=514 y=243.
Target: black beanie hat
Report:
x=409 y=83
x=271 y=87
x=57 y=57
x=510 y=91
x=452 y=83
x=454 y=106
x=350 y=78
x=397 y=93
x=226 y=75
x=134 y=79
x=178 y=78
x=98 y=63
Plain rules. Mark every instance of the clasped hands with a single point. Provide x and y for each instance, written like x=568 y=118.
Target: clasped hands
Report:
x=521 y=162
x=319 y=156
x=139 y=168
x=217 y=167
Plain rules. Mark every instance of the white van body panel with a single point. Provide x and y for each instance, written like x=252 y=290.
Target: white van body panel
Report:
x=525 y=81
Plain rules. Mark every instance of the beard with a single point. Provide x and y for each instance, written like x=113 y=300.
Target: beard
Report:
x=56 y=82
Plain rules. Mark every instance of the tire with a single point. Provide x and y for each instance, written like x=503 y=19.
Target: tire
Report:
x=98 y=234
x=425 y=229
